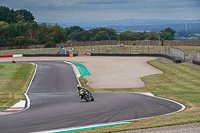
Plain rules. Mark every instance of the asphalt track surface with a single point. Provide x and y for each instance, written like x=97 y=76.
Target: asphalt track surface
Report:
x=55 y=103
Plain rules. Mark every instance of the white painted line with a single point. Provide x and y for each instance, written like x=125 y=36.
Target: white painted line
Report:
x=101 y=124
x=17 y=55
x=21 y=103
x=84 y=127
x=27 y=98
x=15 y=108
x=76 y=74
x=145 y=93
x=182 y=105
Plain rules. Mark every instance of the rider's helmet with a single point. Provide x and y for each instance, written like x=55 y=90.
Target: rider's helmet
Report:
x=79 y=87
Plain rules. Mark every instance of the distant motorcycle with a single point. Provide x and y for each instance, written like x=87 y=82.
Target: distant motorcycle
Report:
x=86 y=95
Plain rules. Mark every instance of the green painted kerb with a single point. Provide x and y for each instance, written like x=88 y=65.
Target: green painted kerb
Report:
x=82 y=69
x=2 y=110
x=87 y=128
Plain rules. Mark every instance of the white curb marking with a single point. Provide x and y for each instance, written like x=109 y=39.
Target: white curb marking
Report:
x=15 y=108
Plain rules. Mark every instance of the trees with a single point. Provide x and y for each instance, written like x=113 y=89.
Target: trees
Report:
x=153 y=36
x=112 y=34
x=28 y=33
x=21 y=41
x=167 y=34
x=7 y=15
x=57 y=33
x=25 y=16
x=72 y=32
x=18 y=28
x=79 y=34
x=127 y=35
x=101 y=35
x=11 y=16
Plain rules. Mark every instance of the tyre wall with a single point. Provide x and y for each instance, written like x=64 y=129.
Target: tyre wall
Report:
x=48 y=55
x=196 y=62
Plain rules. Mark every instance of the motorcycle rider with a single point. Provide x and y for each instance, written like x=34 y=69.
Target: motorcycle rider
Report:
x=79 y=88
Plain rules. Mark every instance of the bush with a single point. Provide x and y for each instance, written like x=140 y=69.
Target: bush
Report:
x=49 y=45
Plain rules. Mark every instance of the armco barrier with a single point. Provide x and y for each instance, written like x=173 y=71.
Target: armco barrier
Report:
x=5 y=56
x=48 y=55
x=173 y=58
x=196 y=62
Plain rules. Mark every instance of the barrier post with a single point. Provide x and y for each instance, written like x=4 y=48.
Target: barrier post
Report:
x=136 y=49
x=143 y=48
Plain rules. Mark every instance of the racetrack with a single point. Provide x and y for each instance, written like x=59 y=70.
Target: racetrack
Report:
x=55 y=103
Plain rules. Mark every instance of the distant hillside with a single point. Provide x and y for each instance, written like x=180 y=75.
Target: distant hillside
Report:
x=194 y=27
x=138 y=24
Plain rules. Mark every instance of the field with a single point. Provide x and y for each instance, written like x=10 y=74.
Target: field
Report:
x=14 y=80
x=189 y=49
x=179 y=82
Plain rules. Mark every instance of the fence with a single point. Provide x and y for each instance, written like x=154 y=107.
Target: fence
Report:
x=137 y=43
x=30 y=51
x=198 y=56
x=126 y=49
x=116 y=49
x=177 y=53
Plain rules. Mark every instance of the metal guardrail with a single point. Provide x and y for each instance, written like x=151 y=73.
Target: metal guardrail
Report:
x=177 y=53
x=198 y=56
x=30 y=51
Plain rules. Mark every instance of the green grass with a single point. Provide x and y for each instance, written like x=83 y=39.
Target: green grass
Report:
x=179 y=82
x=188 y=49
x=14 y=80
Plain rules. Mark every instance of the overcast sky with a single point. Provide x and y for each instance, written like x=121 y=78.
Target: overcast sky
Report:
x=62 y=11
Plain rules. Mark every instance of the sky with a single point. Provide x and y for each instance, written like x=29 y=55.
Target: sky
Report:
x=63 y=11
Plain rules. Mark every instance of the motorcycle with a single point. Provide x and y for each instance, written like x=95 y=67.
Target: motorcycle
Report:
x=86 y=95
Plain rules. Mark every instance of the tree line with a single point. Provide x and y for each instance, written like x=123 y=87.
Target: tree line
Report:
x=18 y=28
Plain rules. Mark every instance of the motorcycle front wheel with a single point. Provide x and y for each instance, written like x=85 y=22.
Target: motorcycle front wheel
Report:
x=86 y=98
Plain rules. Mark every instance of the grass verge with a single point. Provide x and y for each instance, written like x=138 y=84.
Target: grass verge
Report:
x=14 y=80
x=188 y=49
x=179 y=82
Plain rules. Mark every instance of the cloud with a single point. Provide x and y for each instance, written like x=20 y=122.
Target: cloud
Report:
x=65 y=10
